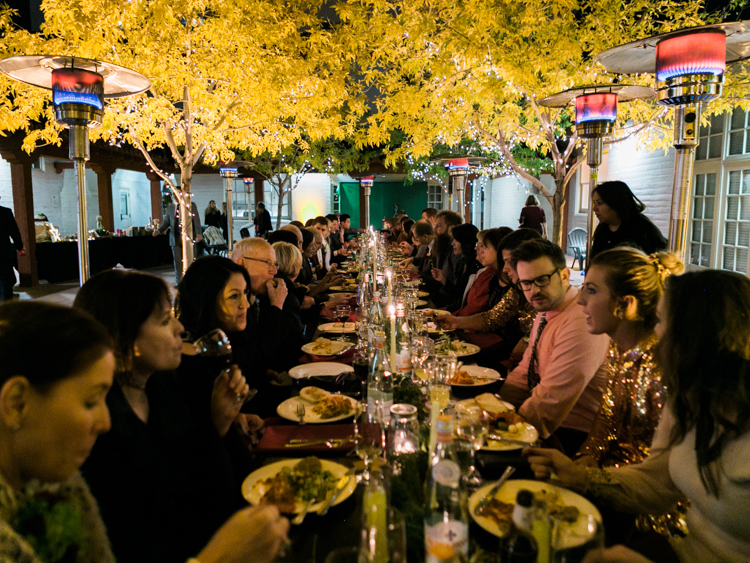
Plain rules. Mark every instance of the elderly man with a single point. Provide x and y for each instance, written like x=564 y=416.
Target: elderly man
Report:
x=297 y=232
x=559 y=383
x=270 y=327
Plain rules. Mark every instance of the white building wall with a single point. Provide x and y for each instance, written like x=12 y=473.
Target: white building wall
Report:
x=6 y=187
x=138 y=186
x=312 y=197
x=506 y=196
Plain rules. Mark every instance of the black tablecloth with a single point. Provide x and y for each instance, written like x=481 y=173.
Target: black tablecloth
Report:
x=58 y=261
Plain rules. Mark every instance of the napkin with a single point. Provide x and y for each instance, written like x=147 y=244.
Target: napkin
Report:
x=276 y=437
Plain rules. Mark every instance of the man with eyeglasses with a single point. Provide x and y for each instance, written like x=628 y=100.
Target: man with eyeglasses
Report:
x=558 y=385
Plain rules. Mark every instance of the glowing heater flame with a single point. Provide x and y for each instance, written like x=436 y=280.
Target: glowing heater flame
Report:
x=693 y=53
x=596 y=107
x=77 y=86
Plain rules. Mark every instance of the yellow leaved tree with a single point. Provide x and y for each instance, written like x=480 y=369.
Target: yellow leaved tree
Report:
x=447 y=71
x=228 y=75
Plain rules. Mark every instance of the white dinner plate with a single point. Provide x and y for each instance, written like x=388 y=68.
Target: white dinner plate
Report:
x=253 y=487
x=421 y=303
x=436 y=312
x=338 y=328
x=571 y=534
x=483 y=376
x=528 y=434
x=462 y=349
x=288 y=410
x=319 y=369
x=466 y=404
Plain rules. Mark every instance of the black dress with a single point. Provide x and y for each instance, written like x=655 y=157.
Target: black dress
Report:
x=639 y=233
x=164 y=487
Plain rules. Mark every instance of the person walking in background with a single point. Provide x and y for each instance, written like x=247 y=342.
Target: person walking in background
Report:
x=9 y=252
x=622 y=222
x=212 y=216
x=532 y=216
x=171 y=221
x=262 y=221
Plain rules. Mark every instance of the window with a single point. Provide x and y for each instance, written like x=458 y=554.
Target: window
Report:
x=271 y=199
x=241 y=200
x=737 y=222
x=701 y=236
x=336 y=199
x=739 y=140
x=435 y=196
x=584 y=191
x=711 y=139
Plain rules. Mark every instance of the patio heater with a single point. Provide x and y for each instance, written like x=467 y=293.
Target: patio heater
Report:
x=79 y=87
x=596 y=113
x=689 y=65
x=459 y=167
x=366 y=183
x=229 y=171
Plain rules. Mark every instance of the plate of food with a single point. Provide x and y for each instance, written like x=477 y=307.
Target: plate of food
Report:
x=420 y=303
x=474 y=376
x=519 y=430
x=569 y=510
x=434 y=313
x=319 y=369
x=488 y=402
x=325 y=347
x=349 y=288
x=290 y=484
x=338 y=328
x=434 y=328
x=459 y=348
x=320 y=406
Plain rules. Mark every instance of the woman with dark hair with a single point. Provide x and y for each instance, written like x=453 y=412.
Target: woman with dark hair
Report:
x=701 y=446
x=158 y=446
x=621 y=221
x=212 y=216
x=492 y=256
x=532 y=216
x=464 y=248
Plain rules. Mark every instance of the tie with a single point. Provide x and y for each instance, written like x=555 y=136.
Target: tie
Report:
x=532 y=375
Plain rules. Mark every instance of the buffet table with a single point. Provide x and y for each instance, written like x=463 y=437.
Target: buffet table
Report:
x=58 y=261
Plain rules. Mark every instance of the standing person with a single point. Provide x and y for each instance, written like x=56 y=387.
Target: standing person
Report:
x=224 y=221
x=622 y=222
x=262 y=221
x=212 y=216
x=9 y=252
x=171 y=221
x=532 y=216
x=702 y=444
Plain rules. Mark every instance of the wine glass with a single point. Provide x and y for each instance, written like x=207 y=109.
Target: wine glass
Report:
x=421 y=348
x=215 y=350
x=342 y=315
x=368 y=439
x=472 y=425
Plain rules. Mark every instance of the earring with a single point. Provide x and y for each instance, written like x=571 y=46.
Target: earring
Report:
x=620 y=315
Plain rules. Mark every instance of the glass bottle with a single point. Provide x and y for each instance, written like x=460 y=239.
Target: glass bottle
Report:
x=403 y=350
x=377 y=316
x=446 y=522
x=379 y=384
x=374 y=544
x=519 y=545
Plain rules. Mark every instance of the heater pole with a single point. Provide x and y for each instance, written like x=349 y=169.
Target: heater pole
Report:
x=595 y=148
x=686 y=123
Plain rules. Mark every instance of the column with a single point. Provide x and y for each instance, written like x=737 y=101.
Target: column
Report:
x=23 y=210
x=156 y=202
x=104 y=188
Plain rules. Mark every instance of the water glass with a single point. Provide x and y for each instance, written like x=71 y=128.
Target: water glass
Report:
x=472 y=426
x=440 y=371
x=369 y=441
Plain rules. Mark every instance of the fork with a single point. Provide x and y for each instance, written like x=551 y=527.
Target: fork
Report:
x=301 y=413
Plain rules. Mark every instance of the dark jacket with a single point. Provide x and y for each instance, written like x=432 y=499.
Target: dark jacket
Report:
x=9 y=230
x=262 y=222
x=637 y=233
x=169 y=221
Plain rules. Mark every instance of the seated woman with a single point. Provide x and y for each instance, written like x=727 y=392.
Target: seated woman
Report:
x=157 y=446
x=52 y=408
x=701 y=446
x=466 y=265
x=487 y=288
x=423 y=237
x=619 y=298
x=289 y=260
x=622 y=222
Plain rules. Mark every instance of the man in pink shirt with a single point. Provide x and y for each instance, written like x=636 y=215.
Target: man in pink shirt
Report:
x=559 y=384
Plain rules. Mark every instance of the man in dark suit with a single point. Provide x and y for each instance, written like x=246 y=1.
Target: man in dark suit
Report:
x=171 y=221
x=8 y=252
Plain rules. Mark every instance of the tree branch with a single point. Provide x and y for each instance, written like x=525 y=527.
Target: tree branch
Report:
x=570 y=173
x=638 y=129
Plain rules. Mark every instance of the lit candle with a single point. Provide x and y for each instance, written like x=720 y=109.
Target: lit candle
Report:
x=392 y=311
x=374 y=266
x=389 y=275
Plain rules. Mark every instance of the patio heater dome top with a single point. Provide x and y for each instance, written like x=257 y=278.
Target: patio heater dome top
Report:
x=625 y=93
x=36 y=70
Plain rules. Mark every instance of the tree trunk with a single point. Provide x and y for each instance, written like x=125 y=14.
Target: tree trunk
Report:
x=558 y=215
x=186 y=217
x=279 y=206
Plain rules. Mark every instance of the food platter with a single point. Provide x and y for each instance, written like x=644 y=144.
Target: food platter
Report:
x=318 y=369
x=254 y=486
x=525 y=434
x=571 y=533
x=349 y=288
x=325 y=347
x=479 y=375
x=434 y=328
x=338 y=328
x=288 y=410
x=435 y=312
x=420 y=303
x=460 y=349
x=466 y=404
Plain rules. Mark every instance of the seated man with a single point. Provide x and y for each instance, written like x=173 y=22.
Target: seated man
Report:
x=559 y=384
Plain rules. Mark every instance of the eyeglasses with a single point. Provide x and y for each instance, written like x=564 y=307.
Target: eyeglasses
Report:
x=269 y=263
x=541 y=281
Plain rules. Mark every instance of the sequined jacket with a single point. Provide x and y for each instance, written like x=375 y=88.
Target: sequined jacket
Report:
x=512 y=306
x=625 y=424
x=15 y=549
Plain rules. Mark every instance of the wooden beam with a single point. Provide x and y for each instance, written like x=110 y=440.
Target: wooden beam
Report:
x=104 y=187
x=23 y=207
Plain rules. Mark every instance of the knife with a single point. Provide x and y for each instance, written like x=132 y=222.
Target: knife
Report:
x=343 y=483
x=500 y=482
